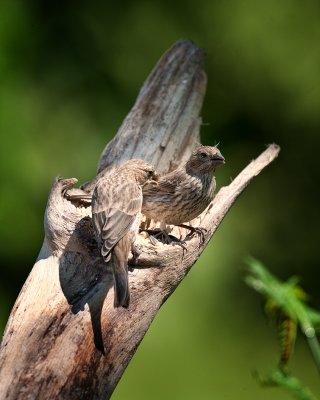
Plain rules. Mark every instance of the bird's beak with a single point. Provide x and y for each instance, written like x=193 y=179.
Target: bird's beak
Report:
x=218 y=159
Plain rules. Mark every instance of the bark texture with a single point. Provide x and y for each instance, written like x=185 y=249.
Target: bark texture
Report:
x=64 y=339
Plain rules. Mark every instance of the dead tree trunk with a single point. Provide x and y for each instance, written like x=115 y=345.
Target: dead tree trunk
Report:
x=64 y=339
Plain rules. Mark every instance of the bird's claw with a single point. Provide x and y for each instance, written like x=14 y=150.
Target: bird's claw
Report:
x=178 y=242
x=199 y=231
x=154 y=241
x=164 y=237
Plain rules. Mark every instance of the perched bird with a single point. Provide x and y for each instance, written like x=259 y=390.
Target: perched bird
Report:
x=116 y=212
x=181 y=195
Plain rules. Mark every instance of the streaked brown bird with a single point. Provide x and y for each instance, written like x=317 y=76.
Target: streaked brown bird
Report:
x=116 y=212
x=182 y=195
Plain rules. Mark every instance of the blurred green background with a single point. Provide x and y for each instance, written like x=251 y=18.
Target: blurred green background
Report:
x=70 y=72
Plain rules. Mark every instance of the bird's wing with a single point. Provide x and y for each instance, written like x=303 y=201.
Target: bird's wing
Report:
x=167 y=184
x=115 y=204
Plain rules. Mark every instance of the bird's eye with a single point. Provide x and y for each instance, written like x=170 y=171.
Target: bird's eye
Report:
x=203 y=155
x=150 y=174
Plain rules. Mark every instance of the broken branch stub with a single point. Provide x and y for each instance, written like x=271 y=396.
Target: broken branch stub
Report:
x=64 y=339
x=164 y=124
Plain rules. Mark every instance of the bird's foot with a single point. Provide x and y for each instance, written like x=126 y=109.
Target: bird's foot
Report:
x=163 y=236
x=198 y=230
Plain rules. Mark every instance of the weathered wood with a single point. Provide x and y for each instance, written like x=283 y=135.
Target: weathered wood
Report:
x=64 y=339
x=163 y=125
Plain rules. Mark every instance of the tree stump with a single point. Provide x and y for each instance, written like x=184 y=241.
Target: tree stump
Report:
x=64 y=339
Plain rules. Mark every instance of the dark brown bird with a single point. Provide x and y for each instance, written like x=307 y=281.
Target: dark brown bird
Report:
x=116 y=211
x=183 y=194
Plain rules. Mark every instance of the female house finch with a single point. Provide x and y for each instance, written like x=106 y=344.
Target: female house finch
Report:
x=116 y=209
x=184 y=193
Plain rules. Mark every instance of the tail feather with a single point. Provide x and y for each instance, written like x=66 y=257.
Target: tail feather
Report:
x=119 y=257
x=121 y=286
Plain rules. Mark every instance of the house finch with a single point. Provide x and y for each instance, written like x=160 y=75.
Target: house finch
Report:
x=183 y=194
x=116 y=210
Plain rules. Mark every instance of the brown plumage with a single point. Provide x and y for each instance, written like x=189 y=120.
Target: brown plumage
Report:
x=116 y=207
x=183 y=194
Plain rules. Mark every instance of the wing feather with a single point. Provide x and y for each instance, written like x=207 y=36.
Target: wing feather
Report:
x=166 y=184
x=115 y=205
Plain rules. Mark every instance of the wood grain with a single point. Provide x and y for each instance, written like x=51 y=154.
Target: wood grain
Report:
x=64 y=339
